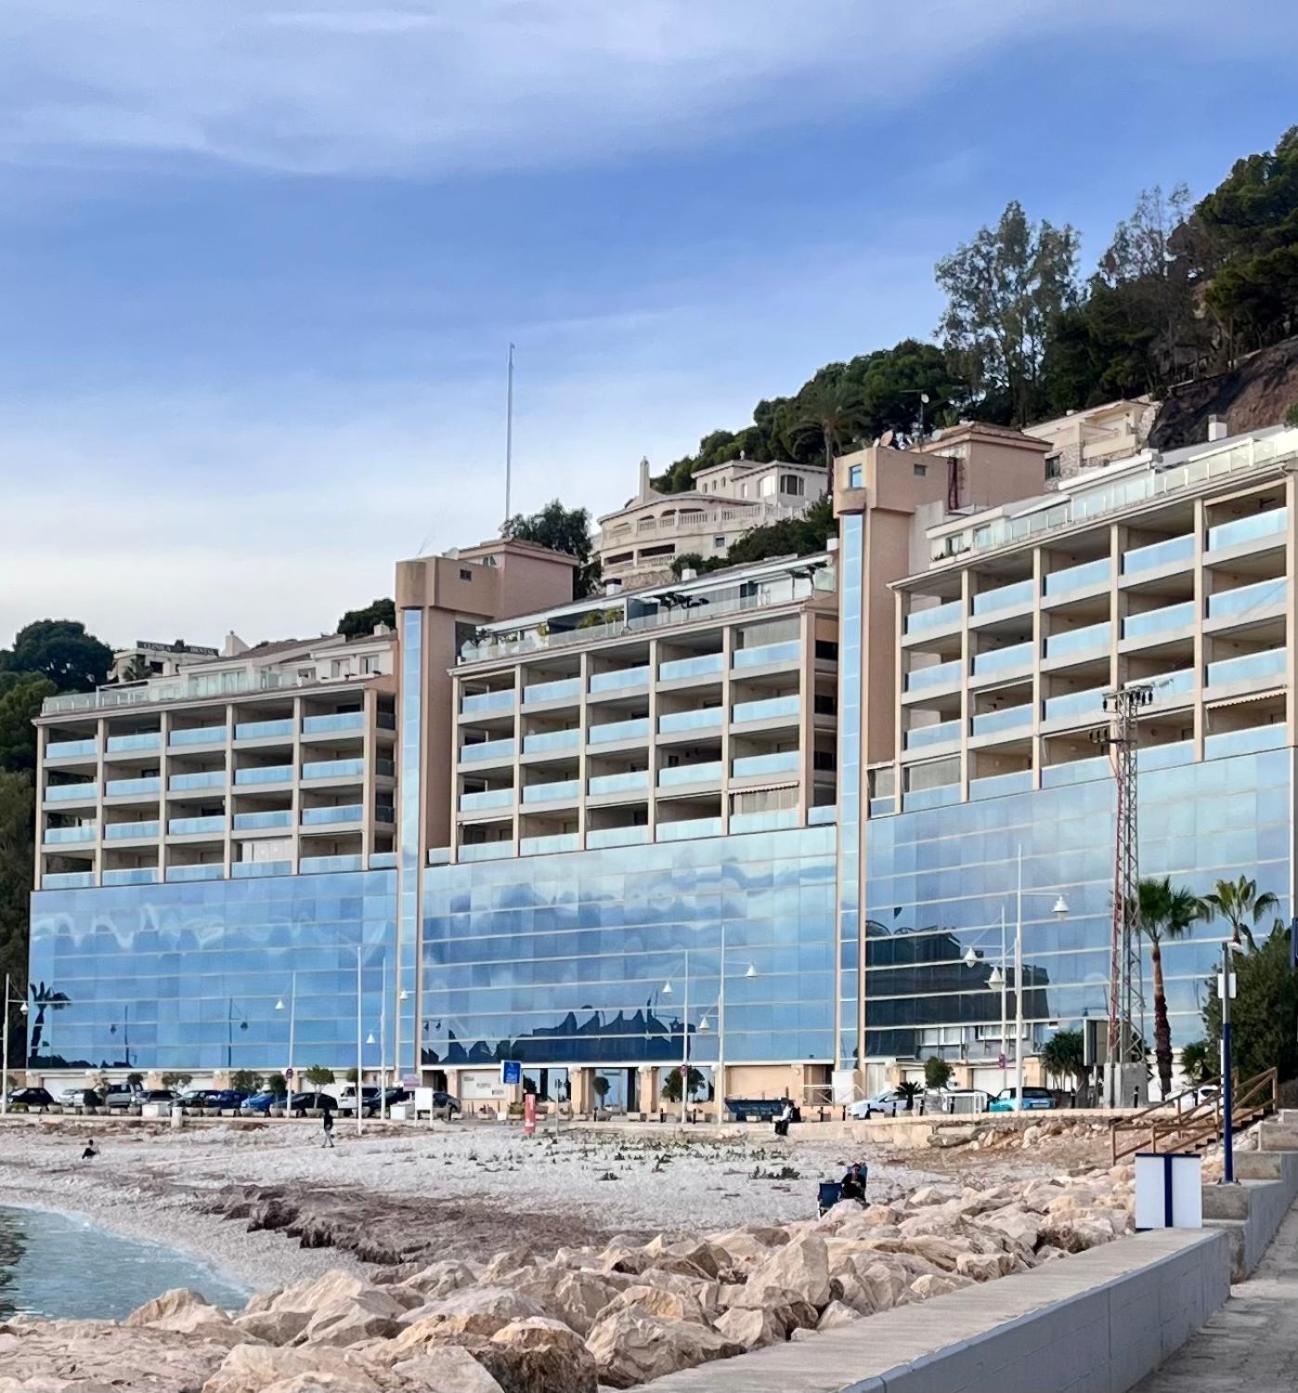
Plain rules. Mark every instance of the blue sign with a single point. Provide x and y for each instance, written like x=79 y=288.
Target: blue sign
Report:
x=511 y=1071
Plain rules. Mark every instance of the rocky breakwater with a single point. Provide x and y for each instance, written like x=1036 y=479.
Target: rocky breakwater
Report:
x=584 y=1318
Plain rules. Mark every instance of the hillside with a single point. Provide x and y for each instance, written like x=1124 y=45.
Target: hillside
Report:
x=1260 y=391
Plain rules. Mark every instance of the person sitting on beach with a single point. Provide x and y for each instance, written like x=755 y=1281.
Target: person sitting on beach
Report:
x=854 y=1183
x=90 y=1152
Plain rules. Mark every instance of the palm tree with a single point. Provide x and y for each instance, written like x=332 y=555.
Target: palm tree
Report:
x=835 y=411
x=1238 y=902
x=1168 y=914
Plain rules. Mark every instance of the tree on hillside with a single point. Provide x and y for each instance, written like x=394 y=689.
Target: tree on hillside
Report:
x=561 y=529
x=16 y=853
x=1264 y=1013
x=834 y=412
x=61 y=650
x=1240 y=905
x=1165 y=914
x=1005 y=289
x=21 y=696
x=357 y=623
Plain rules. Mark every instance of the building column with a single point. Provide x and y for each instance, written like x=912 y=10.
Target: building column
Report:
x=647 y=1087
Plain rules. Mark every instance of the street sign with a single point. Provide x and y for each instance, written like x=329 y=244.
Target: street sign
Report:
x=511 y=1072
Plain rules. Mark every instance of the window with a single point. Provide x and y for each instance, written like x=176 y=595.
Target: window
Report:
x=920 y=470
x=465 y=574
x=768 y=486
x=306 y=674
x=719 y=543
x=370 y=664
x=743 y=491
x=793 y=484
x=1054 y=466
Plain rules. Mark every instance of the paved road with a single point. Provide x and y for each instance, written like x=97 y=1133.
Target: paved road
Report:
x=1252 y=1342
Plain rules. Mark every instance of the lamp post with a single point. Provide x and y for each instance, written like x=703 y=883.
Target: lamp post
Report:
x=21 y=1004
x=685 y=1037
x=1227 y=1083
x=360 y=1126
x=292 y=1029
x=721 y=1028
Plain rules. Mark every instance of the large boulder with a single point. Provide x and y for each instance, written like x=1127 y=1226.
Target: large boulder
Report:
x=934 y=1285
x=982 y=1267
x=445 y=1369
x=658 y=1301
x=835 y=1314
x=40 y=1355
x=254 y=1368
x=346 y=1320
x=753 y=1329
x=543 y=1356
x=703 y=1256
x=186 y=1313
x=1015 y=1222
x=631 y=1347
x=281 y=1318
x=479 y=1311
x=798 y=1272
x=576 y=1298
x=436 y=1280
x=507 y=1264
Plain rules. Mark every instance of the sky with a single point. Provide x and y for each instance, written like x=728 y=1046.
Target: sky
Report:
x=260 y=261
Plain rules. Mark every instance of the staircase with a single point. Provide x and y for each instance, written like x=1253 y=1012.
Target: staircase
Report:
x=1190 y=1123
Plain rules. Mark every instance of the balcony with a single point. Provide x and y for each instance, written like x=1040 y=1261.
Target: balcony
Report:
x=1251 y=667
x=936 y=734
x=335 y=769
x=677 y=669
x=266 y=774
x=197 y=735
x=1074 y=578
x=689 y=829
x=1152 y=622
x=1246 y=600
x=607 y=785
x=134 y=875
x=499 y=751
x=626 y=679
x=213 y=826
x=209 y=870
x=63 y=836
x=683 y=775
x=264 y=821
x=772 y=820
x=487 y=703
x=130 y=788
x=544 y=846
x=486 y=799
x=1173 y=551
x=1005 y=597
x=264 y=730
x=926 y=621
x=550 y=741
x=1250 y=529
x=562 y=689
x=207 y=778
x=1076 y=705
x=1075 y=643
x=336 y=723
x=254 y=870
x=317 y=865
x=558 y=791
x=1169 y=685
x=68 y=880
x=86 y=791
x=997 y=785
x=1006 y=719
x=996 y=661
x=709 y=718
x=616 y=836
x=615 y=731
x=485 y=851
x=129 y=744
x=131 y=831
x=70 y=749
x=761 y=766
x=767 y=655
x=768 y=709
x=331 y=816
x=922 y=679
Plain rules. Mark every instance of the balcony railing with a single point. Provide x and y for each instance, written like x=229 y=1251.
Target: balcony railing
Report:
x=767 y=654
x=327 y=817
x=208 y=870
x=487 y=703
x=1072 y=704
x=936 y=734
x=634 y=729
x=778 y=762
x=84 y=791
x=1244 y=599
x=1071 y=643
x=549 y=741
x=485 y=851
x=706 y=665
x=62 y=836
x=561 y=689
x=709 y=718
x=68 y=880
x=130 y=831
x=263 y=730
x=227 y=684
x=485 y=750
x=127 y=744
x=317 y=865
x=334 y=723
x=995 y=785
x=619 y=680
x=70 y=749
x=120 y=788
x=134 y=875
x=1007 y=718
x=267 y=774
x=1010 y=659
x=261 y=822
x=1088 y=574
x=1165 y=553
x=922 y=621
x=206 y=778
x=633 y=781
x=935 y=675
x=558 y=791
x=1249 y=529
x=768 y=709
x=555 y=841
x=769 y=821
x=196 y=826
x=197 y=735
x=676 y=775
x=1016 y=596
x=334 y=769
x=486 y=799
x=616 y=836
x=1158 y=621
x=254 y=870
x=689 y=828
x=1251 y=667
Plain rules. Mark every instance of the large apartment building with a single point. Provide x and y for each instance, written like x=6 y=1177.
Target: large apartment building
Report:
x=771 y=819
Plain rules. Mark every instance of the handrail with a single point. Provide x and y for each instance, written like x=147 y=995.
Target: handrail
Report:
x=1197 y=1125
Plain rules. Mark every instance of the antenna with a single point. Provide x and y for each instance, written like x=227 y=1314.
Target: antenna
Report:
x=509 y=431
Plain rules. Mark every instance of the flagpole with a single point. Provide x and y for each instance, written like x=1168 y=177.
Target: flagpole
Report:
x=509 y=433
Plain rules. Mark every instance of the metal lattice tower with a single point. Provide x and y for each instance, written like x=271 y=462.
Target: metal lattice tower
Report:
x=1126 y=986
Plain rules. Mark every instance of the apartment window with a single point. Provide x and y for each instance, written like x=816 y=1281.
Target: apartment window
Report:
x=768 y=486
x=1054 y=466
x=370 y=664
x=465 y=574
x=341 y=667
x=719 y=543
x=305 y=674
x=793 y=484
x=743 y=491
x=920 y=470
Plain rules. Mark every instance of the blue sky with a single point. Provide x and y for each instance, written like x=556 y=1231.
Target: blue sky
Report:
x=260 y=262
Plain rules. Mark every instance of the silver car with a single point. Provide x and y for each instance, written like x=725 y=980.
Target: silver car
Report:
x=887 y=1103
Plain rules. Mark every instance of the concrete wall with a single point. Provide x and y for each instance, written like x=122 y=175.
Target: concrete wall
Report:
x=1098 y=1323
x=1251 y=1212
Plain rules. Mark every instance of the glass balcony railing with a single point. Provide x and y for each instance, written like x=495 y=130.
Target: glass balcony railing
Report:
x=86 y=791
x=619 y=680
x=706 y=665
x=1016 y=596
x=676 y=775
x=334 y=723
x=267 y=774
x=770 y=820
x=822 y=815
x=561 y=689
x=1007 y=718
x=1074 y=704
x=134 y=875
x=937 y=675
x=263 y=730
x=616 y=836
x=637 y=729
x=935 y=797
x=62 y=836
x=127 y=744
x=689 y=829
x=486 y=750
x=327 y=817
x=768 y=709
x=1244 y=742
x=487 y=703
x=1172 y=684
x=261 y=822
x=315 y=865
x=936 y=734
x=1009 y=659
x=485 y=851
x=1071 y=643
x=1158 y=621
x=778 y=762
x=548 y=741
x=196 y=826
x=206 y=778
x=254 y=870
x=384 y=861
x=633 y=781
x=923 y=621
x=131 y=831
x=1248 y=529
x=707 y=719
x=70 y=749
x=384 y=812
x=485 y=799
x=767 y=654
x=543 y=846
x=211 y=870
x=1245 y=599
x=1083 y=577
x=559 y=791
x=68 y=880
x=995 y=785
x=119 y=788
x=1174 y=549
x=1251 y=667
x=335 y=769
x=197 y=735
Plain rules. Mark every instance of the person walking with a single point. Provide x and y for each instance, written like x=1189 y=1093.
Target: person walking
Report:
x=328 y=1126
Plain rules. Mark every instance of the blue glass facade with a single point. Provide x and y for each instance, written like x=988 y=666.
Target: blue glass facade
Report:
x=409 y=832
x=851 y=544
x=188 y=976
x=938 y=880
x=563 y=959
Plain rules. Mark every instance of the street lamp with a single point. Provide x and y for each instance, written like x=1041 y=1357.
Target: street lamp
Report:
x=1059 y=909
x=292 y=1029
x=705 y=1025
x=21 y=1004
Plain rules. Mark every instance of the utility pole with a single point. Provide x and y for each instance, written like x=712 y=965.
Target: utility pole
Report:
x=1227 y=1083
x=509 y=432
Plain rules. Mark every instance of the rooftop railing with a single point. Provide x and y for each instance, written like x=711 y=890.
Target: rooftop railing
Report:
x=185 y=689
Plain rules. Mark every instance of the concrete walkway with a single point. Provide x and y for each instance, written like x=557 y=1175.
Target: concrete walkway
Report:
x=1252 y=1342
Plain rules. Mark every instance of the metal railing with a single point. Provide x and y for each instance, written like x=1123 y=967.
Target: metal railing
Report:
x=1189 y=1121
x=188 y=689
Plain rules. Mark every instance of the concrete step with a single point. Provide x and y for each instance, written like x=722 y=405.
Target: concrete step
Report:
x=1229 y=1202
x=1276 y=1136
x=1287 y=1117
x=1257 y=1165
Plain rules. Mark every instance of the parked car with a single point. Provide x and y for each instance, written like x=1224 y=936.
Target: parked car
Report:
x=263 y=1102
x=445 y=1100
x=346 y=1100
x=887 y=1103
x=397 y=1095
x=72 y=1097
x=31 y=1098
x=301 y=1103
x=118 y=1095
x=1034 y=1100
x=166 y=1096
